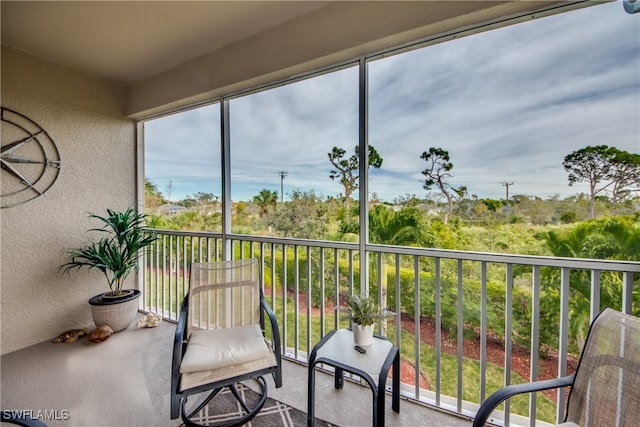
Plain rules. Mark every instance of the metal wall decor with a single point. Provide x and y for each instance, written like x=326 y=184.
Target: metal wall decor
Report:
x=29 y=158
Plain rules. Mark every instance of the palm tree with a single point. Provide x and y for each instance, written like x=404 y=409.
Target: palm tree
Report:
x=406 y=227
x=265 y=200
x=608 y=238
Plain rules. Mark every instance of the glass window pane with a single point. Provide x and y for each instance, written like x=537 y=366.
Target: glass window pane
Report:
x=183 y=169
x=280 y=141
x=506 y=106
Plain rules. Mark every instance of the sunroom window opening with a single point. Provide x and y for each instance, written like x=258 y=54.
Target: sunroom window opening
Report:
x=280 y=146
x=475 y=130
x=500 y=104
x=182 y=165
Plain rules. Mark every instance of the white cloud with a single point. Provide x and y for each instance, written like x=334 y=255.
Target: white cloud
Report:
x=508 y=105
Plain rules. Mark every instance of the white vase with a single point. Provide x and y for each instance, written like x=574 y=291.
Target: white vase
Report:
x=362 y=335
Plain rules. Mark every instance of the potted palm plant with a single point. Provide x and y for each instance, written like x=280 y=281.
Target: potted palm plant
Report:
x=364 y=313
x=115 y=254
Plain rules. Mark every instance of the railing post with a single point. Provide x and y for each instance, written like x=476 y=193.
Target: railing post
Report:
x=508 y=339
x=483 y=330
x=535 y=328
x=416 y=319
x=438 y=315
x=595 y=295
x=563 y=340
x=627 y=292
x=460 y=338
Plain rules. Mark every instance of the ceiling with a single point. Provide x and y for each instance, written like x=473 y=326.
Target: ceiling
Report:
x=128 y=41
x=171 y=54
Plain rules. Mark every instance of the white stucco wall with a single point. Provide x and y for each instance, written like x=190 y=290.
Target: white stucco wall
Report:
x=83 y=115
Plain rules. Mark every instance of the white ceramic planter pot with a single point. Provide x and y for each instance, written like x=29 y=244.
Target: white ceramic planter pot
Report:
x=362 y=335
x=116 y=312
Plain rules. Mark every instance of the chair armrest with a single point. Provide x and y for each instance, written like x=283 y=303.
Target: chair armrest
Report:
x=178 y=341
x=178 y=350
x=503 y=394
x=275 y=331
x=275 y=337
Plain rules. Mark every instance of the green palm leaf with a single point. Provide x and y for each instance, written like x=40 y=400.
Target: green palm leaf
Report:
x=115 y=254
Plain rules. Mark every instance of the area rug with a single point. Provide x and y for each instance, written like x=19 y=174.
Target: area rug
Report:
x=225 y=408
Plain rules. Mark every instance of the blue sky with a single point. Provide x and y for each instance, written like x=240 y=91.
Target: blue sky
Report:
x=507 y=105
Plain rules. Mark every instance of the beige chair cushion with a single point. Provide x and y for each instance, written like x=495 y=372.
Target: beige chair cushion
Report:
x=195 y=379
x=216 y=355
x=568 y=424
x=222 y=348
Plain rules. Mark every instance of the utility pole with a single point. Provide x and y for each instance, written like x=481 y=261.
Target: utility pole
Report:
x=507 y=184
x=282 y=174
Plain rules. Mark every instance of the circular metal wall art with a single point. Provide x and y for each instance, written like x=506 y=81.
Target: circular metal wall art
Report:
x=30 y=159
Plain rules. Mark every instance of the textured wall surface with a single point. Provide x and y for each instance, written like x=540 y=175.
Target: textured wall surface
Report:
x=83 y=115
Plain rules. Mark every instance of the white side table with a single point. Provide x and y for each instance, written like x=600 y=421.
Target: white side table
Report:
x=337 y=349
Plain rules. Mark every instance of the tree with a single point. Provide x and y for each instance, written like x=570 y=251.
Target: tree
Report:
x=437 y=173
x=406 y=200
x=607 y=238
x=152 y=196
x=265 y=200
x=625 y=173
x=604 y=168
x=406 y=227
x=568 y=218
x=302 y=218
x=202 y=201
x=492 y=204
x=346 y=170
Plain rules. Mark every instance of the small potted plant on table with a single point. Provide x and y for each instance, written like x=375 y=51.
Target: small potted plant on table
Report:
x=364 y=313
x=116 y=256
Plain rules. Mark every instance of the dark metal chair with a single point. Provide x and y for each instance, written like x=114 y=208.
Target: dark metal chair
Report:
x=220 y=340
x=20 y=418
x=605 y=389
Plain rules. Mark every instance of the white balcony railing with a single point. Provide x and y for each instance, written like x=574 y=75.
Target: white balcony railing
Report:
x=445 y=302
